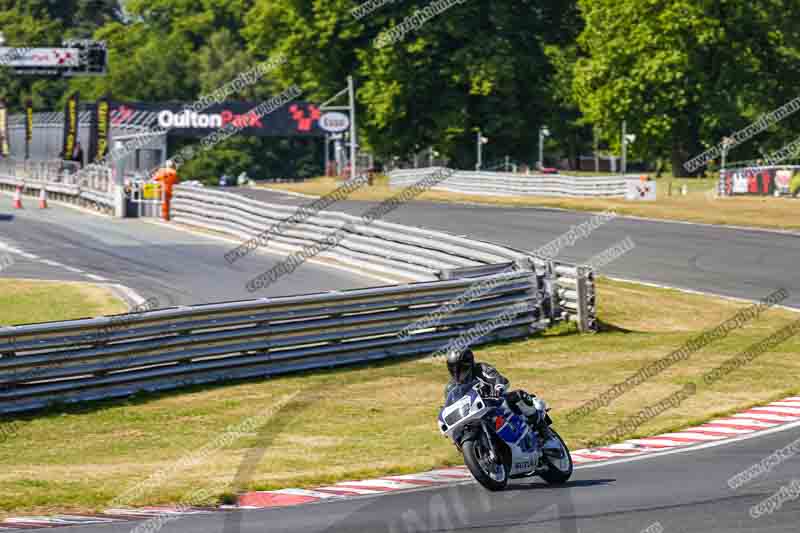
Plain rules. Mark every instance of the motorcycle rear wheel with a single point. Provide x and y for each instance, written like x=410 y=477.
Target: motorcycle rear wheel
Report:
x=477 y=460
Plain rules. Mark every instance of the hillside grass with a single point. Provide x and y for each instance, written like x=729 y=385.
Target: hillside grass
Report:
x=377 y=419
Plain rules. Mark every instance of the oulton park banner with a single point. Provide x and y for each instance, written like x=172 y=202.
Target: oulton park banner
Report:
x=292 y=119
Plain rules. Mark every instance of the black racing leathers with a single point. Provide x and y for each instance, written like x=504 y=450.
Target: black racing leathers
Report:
x=483 y=372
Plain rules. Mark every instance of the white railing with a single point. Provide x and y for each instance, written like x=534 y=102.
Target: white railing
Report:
x=508 y=184
x=64 y=181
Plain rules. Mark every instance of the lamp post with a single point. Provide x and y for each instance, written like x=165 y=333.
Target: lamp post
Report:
x=627 y=138
x=544 y=131
x=480 y=141
x=432 y=154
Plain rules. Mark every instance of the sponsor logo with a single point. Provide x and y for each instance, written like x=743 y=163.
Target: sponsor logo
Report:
x=191 y=119
x=304 y=121
x=334 y=122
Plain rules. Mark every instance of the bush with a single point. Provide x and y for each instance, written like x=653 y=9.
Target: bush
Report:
x=794 y=185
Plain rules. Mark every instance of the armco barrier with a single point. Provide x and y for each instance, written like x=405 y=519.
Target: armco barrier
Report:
x=398 y=251
x=110 y=357
x=507 y=184
x=404 y=252
x=63 y=181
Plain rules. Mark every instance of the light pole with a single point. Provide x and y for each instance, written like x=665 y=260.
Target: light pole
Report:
x=432 y=154
x=351 y=92
x=627 y=138
x=480 y=141
x=544 y=131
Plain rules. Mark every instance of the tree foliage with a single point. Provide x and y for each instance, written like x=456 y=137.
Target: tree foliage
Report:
x=682 y=73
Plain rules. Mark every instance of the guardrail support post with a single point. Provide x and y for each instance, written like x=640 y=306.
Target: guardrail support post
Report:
x=587 y=322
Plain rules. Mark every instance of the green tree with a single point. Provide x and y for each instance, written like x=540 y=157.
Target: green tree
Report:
x=682 y=73
x=475 y=65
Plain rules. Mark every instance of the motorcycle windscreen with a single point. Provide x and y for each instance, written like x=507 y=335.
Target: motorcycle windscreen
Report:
x=458 y=391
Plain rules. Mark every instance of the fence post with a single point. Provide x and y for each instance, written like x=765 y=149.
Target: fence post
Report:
x=587 y=312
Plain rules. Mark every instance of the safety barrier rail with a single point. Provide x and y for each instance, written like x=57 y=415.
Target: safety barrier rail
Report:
x=398 y=251
x=507 y=184
x=116 y=356
x=385 y=248
x=120 y=355
x=64 y=181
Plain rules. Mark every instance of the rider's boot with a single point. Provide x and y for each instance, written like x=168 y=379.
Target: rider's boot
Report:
x=535 y=411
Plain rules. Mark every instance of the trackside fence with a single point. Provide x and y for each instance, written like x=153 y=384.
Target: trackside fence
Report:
x=109 y=357
x=117 y=356
x=508 y=184
x=405 y=253
x=64 y=181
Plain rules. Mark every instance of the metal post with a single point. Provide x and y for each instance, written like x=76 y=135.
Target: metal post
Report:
x=430 y=156
x=353 y=141
x=479 y=164
x=721 y=182
x=544 y=131
x=541 y=149
x=582 y=295
x=507 y=164
x=624 y=166
x=596 y=143
x=325 y=143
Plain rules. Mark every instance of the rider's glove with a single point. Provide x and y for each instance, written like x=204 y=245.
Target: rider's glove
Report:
x=499 y=390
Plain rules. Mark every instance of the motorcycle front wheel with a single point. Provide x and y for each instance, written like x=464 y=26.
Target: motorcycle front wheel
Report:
x=559 y=461
x=488 y=473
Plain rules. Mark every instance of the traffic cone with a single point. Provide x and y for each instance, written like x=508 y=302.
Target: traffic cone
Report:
x=43 y=198
x=18 y=198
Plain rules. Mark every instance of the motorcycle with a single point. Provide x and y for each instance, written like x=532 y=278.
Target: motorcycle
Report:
x=497 y=443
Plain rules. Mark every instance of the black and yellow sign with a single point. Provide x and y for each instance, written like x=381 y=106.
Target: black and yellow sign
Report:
x=28 y=128
x=4 y=149
x=70 y=126
x=99 y=135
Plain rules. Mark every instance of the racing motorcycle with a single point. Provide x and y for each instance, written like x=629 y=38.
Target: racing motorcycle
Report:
x=499 y=444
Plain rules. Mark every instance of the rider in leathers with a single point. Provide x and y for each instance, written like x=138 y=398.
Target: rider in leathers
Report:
x=463 y=368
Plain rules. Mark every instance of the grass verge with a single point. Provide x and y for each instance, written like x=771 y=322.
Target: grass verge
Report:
x=379 y=419
x=696 y=206
x=24 y=301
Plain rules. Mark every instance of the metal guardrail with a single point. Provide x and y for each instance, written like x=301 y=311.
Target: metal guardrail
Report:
x=116 y=356
x=394 y=250
x=64 y=181
x=507 y=184
x=111 y=357
x=399 y=251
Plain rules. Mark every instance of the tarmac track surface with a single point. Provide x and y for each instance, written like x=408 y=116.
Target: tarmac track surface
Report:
x=731 y=262
x=685 y=492
x=682 y=492
x=177 y=267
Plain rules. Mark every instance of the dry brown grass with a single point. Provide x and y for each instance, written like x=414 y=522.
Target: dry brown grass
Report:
x=380 y=419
